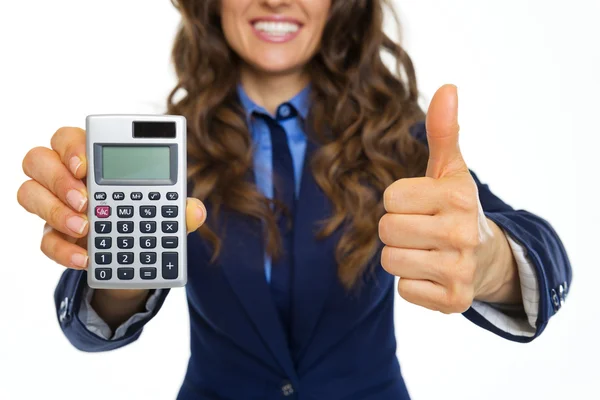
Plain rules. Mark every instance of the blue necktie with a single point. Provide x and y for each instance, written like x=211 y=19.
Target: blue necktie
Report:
x=284 y=191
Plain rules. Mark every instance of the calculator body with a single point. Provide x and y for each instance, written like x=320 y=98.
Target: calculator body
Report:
x=136 y=182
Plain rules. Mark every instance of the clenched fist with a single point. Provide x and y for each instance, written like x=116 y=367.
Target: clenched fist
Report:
x=438 y=239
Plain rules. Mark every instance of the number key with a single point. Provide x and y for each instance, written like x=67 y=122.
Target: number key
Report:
x=148 y=226
x=124 y=226
x=103 y=274
x=125 y=242
x=102 y=226
x=148 y=258
x=125 y=258
x=102 y=242
x=103 y=258
x=147 y=242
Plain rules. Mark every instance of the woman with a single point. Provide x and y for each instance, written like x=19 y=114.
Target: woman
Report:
x=315 y=170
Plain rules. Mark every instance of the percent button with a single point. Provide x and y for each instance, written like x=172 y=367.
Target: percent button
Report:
x=148 y=211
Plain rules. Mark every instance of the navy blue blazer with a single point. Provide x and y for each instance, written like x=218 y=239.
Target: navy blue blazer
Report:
x=342 y=346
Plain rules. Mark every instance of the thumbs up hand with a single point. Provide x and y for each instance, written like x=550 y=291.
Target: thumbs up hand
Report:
x=438 y=240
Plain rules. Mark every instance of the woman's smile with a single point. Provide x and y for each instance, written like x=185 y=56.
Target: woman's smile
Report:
x=276 y=28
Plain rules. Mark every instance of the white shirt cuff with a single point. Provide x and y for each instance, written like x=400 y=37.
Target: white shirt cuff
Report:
x=515 y=325
x=96 y=325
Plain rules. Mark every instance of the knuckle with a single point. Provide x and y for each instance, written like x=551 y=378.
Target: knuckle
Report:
x=384 y=228
x=458 y=300
x=389 y=196
x=23 y=193
x=48 y=246
x=463 y=236
x=30 y=157
x=60 y=183
x=463 y=197
x=55 y=214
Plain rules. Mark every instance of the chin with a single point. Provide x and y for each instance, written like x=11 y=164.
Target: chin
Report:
x=275 y=64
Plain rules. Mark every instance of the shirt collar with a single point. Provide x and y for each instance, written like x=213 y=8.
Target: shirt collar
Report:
x=300 y=102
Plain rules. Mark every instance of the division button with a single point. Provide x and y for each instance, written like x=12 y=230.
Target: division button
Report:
x=148 y=273
x=125 y=211
x=154 y=196
x=103 y=274
x=169 y=211
x=118 y=196
x=125 y=274
x=100 y=196
x=172 y=196
x=170 y=242
x=136 y=195
x=170 y=265
x=147 y=211
x=102 y=211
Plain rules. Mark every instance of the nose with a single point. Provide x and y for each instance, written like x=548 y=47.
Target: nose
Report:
x=276 y=3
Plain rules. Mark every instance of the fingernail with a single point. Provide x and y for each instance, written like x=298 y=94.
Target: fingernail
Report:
x=76 y=199
x=79 y=260
x=74 y=164
x=199 y=212
x=77 y=224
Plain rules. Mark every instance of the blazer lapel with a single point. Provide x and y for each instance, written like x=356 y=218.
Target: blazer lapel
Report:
x=314 y=262
x=242 y=260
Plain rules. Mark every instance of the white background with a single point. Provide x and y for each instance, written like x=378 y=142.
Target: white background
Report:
x=527 y=73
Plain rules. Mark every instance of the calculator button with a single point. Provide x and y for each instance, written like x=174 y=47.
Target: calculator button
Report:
x=118 y=196
x=170 y=267
x=124 y=226
x=170 y=242
x=169 y=226
x=148 y=258
x=125 y=258
x=102 y=226
x=103 y=274
x=172 y=196
x=148 y=273
x=147 y=242
x=148 y=226
x=154 y=196
x=103 y=258
x=125 y=274
x=125 y=211
x=102 y=242
x=100 y=196
x=125 y=242
x=136 y=195
x=102 y=211
x=147 y=211
x=169 y=211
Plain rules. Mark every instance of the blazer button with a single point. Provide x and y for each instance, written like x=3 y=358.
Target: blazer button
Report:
x=555 y=300
x=287 y=389
x=62 y=312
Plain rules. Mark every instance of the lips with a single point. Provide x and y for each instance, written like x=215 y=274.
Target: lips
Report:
x=276 y=29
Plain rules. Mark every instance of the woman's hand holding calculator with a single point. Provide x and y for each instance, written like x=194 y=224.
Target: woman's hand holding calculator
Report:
x=57 y=193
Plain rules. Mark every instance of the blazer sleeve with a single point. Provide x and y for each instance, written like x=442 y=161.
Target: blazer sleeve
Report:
x=68 y=298
x=543 y=248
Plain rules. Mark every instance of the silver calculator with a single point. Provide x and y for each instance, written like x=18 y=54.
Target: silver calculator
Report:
x=136 y=182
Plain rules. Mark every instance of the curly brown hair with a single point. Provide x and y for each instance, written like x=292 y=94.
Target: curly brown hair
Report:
x=360 y=115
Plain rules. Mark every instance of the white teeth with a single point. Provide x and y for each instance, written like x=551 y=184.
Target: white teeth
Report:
x=276 y=28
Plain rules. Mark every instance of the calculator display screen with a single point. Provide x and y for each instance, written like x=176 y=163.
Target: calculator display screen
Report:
x=147 y=163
